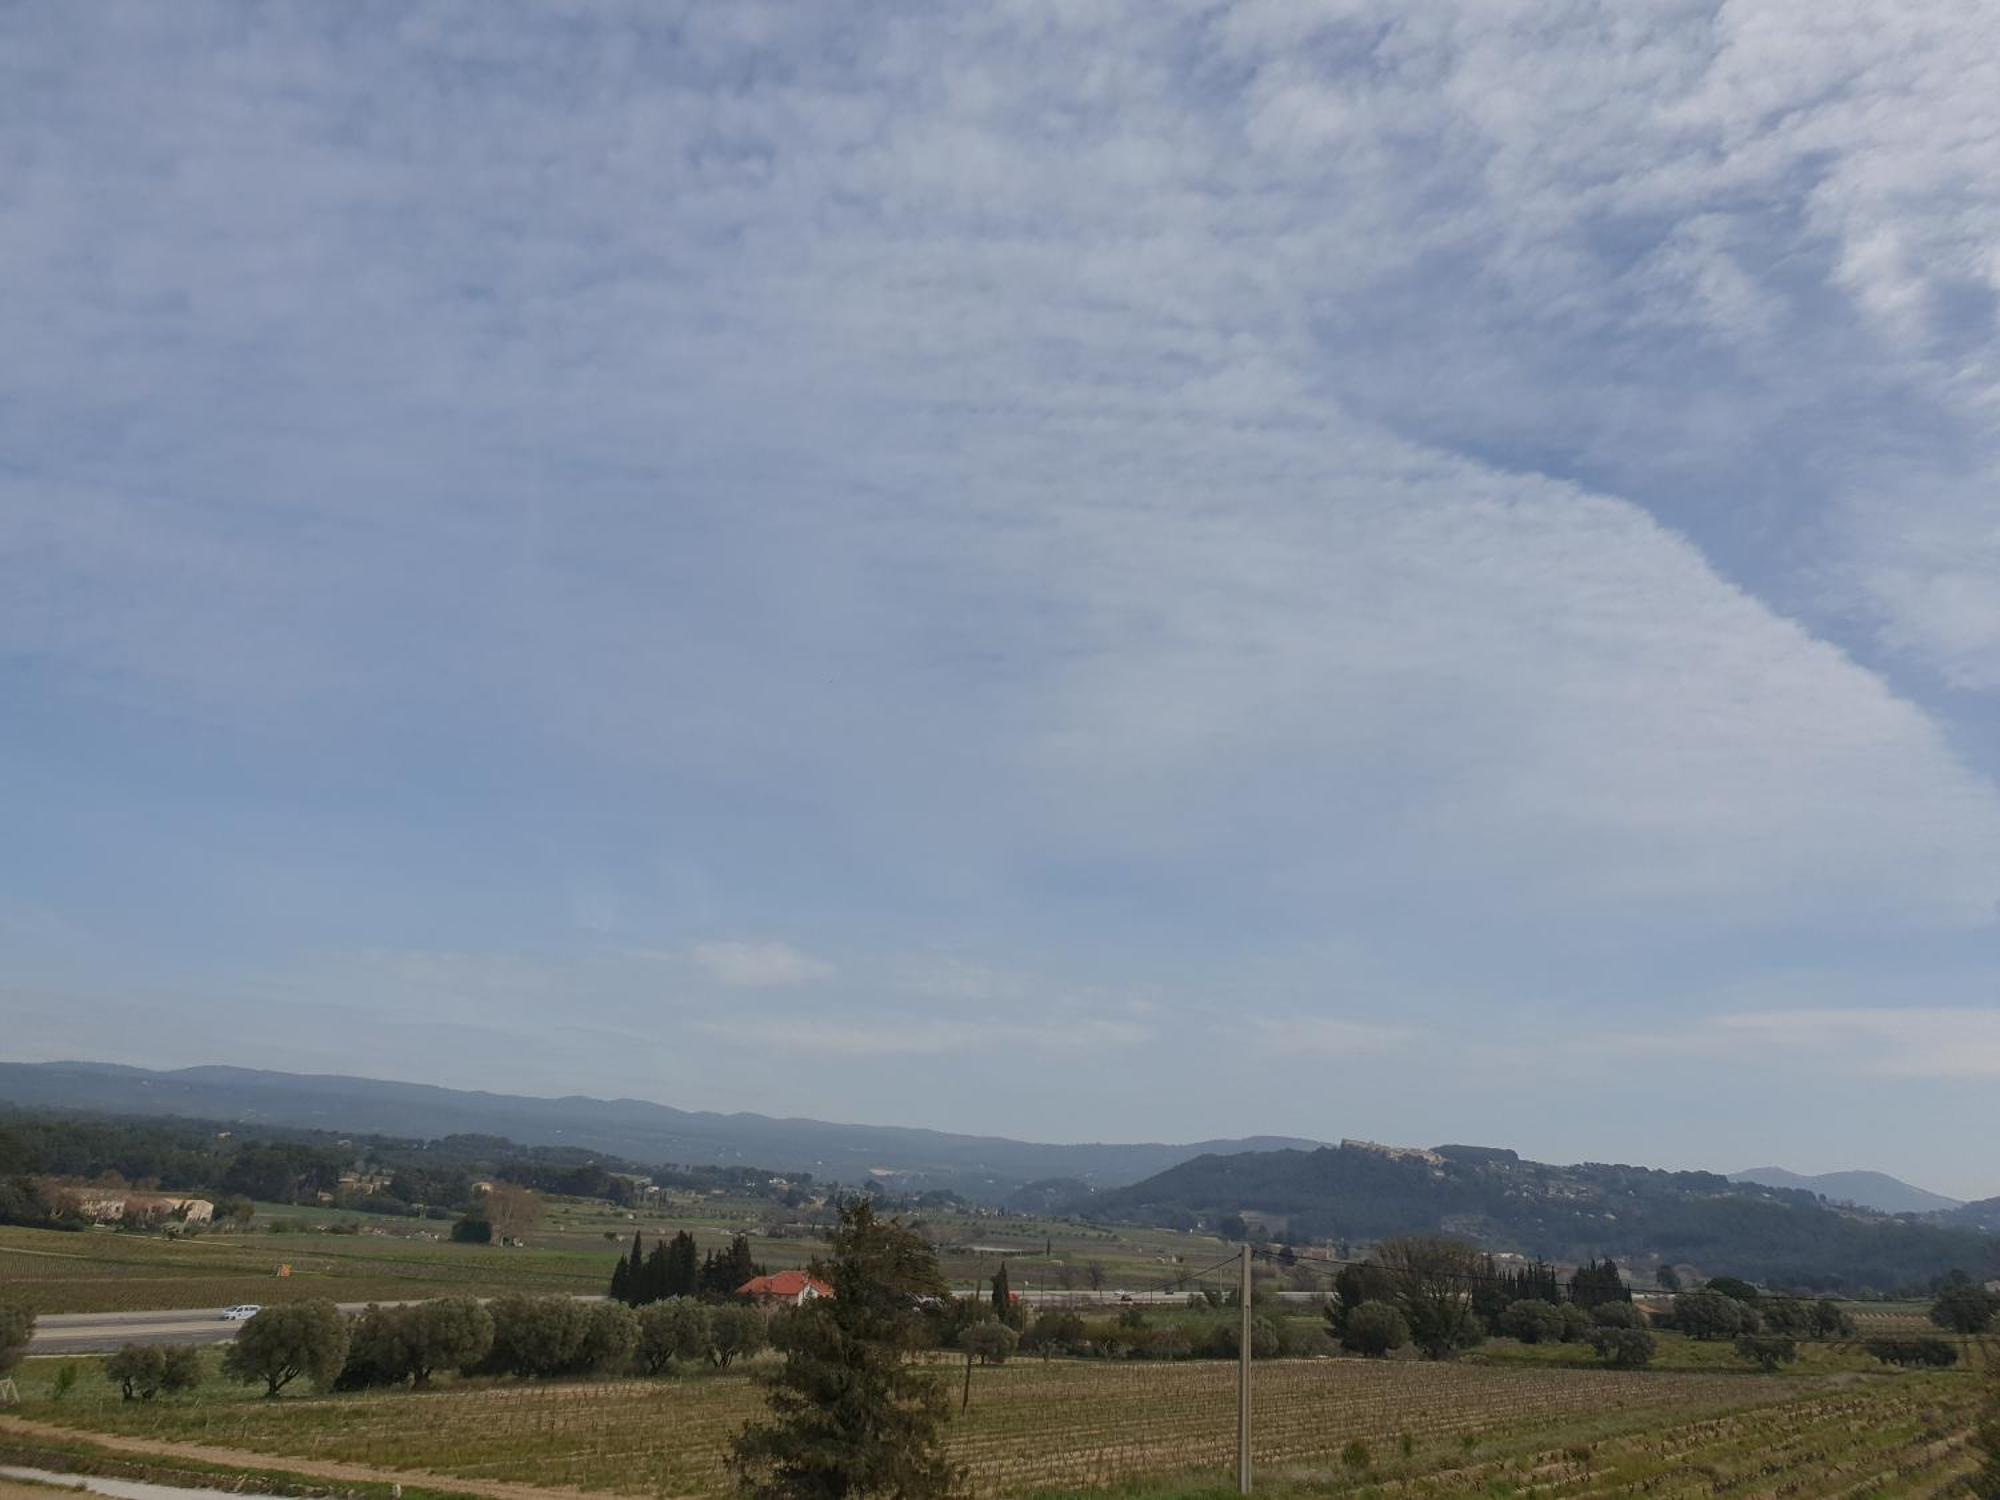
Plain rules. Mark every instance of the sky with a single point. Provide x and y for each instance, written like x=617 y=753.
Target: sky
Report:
x=1079 y=569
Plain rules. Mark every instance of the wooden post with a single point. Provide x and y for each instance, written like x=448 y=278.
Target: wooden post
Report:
x=1244 y=1355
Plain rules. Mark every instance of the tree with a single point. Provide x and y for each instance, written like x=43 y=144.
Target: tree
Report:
x=1576 y=1323
x=1667 y=1279
x=511 y=1210
x=472 y=1229
x=1964 y=1307
x=446 y=1333
x=1592 y=1283
x=672 y=1331
x=142 y=1372
x=1734 y=1286
x=610 y=1334
x=1767 y=1350
x=1433 y=1279
x=734 y=1332
x=1532 y=1321
x=280 y=1344
x=1004 y=1307
x=1617 y=1315
x=1354 y=1285
x=17 y=1331
x=1233 y=1228
x=850 y=1416
x=1374 y=1329
x=680 y=1268
x=1093 y=1274
x=1623 y=1348
x=1709 y=1315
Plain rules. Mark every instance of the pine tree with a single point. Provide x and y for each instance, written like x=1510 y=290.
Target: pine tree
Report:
x=850 y=1416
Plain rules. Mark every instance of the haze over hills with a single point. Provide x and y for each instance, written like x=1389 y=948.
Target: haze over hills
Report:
x=1876 y=1190
x=978 y=1166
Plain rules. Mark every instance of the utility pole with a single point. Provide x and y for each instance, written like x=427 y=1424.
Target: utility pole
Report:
x=1243 y=1356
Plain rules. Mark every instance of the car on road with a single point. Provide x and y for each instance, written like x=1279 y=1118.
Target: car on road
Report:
x=241 y=1312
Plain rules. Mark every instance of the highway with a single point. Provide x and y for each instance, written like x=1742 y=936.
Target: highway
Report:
x=100 y=1333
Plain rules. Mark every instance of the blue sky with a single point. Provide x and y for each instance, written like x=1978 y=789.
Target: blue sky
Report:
x=1117 y=570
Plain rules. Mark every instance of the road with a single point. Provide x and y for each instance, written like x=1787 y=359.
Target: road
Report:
x=100 y=1333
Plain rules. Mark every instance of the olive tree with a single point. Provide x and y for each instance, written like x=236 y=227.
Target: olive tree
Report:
x=675 y=1330
x=1533 y=1321
x=142 y=1371
x=280 y=1344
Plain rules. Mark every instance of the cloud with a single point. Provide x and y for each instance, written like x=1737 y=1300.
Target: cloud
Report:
x=1081 y=501
x=759 y=965
x=1326 y=1036
x=922 y=1036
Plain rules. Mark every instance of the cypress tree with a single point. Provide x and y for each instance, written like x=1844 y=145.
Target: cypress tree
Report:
x=678 y=1269
x=850 y=1415
x=652 y=1285
x=621 y=1281
x=1003 y=1298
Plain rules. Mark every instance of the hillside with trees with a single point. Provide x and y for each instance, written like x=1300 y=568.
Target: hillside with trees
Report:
x=1354 y=1195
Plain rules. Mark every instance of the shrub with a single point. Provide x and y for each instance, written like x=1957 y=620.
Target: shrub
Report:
x=1228 y=1338
x=1535 y=1322
x=471 y=1231
x=1576 y=1323
x=142 y=1372
x=1053 y=1333
x=1617 y=1315
x=1767 y=1350
x=64 y=1382
x=1922 y=1353
x=282 y=1343
x=1169 y=1343
x=1355 y=1455
x=1374 y=1329
x=1623 y=1348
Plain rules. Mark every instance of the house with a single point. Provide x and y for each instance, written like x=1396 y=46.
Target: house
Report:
x=785 y=1289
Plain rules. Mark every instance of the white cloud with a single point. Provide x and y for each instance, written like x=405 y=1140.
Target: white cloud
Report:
x=923 y=1036
x=1331 y=1037
x=759 y=965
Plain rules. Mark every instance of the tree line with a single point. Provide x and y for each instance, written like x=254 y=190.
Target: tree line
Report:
x=671 y=1271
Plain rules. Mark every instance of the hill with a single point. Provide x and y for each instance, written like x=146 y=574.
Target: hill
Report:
x=1876 y=1190
x=1357 y=1194
x=983 y=1167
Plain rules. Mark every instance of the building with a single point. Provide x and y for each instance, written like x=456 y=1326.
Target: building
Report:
x=1395 y=1153
x=785 y=1289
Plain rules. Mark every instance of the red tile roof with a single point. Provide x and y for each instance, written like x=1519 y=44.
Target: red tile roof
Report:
x=785 y=1284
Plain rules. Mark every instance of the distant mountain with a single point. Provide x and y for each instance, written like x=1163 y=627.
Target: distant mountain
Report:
x=1876 y=1190
x=986 y=1167
x=1359 y=1193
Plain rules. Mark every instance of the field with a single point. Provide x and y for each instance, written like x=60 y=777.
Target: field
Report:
x=1076 y=1425
x=361 y=1257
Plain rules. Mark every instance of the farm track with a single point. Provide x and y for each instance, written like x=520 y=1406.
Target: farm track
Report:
x=23 y=1429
